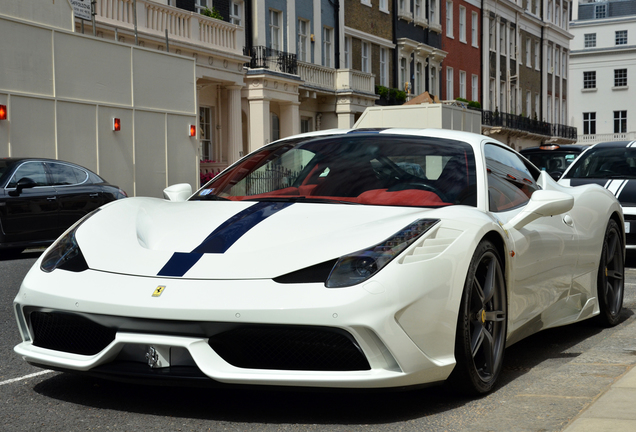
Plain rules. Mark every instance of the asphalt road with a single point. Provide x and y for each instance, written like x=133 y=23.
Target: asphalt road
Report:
x=548 y=379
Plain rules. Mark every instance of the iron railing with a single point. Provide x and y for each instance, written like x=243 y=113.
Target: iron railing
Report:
x=513 y=121
x=269 y=58
x=271 y=179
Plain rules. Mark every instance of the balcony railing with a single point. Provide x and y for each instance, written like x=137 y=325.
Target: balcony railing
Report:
x=184 y=26
x=317 y=76
x=512 y=121
x=596 y=138
x=272 y=59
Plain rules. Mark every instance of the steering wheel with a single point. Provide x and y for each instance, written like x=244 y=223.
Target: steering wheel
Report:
x=419 y=186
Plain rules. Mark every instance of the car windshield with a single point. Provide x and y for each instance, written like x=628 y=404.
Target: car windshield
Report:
x=357 y=168
x=551 y=160
x=605 y=163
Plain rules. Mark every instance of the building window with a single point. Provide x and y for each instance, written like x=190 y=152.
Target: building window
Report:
x=620 y=77
x=536 y=105
x=201 y=5
x=491 y=35
x=557 y=62
x=502 y=39
x=620 y=121
x=491 y=95
x=347 y=52
x=462 y=84
x=449 y=19
x=403 y=73
x=589 y=80
x=512 y=52
x=384 y=5
x=275 y=127
x=432 y=12
x=528 y=103
x=434 y=86
x=419 y=10
x=305 y=124
x=621 y=37
x=326 y=46
x=449 y=84
x=589 y=123
x=550 y=10
x=589 y=40
x=474 y=30
x=303 y=40
x=366 y=2
x=600 y=11
x=564 y=59
x=537 y=63
x=236 y=13
x=462 y=24
x=365 y=57
x=550 y=67
x=418 y=78
x=528 y=53
x=384 y=67
x=205 y=133
x=475 y=88
x=274 y=29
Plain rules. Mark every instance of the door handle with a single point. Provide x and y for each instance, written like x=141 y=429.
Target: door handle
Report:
x=53 y=198
x=94 y=195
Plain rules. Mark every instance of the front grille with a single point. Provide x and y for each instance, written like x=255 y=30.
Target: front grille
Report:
x=69 y=333
x=289 y=348
x=630 y=237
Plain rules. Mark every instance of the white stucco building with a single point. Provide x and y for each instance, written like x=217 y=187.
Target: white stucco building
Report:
x=602 y=66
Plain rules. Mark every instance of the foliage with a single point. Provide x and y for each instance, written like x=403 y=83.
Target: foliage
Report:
x=382 y=91
x=474 y=104
x=214 y=13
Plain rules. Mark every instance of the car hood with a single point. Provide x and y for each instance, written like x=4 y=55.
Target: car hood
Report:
x=623 y=189
x=232 y=240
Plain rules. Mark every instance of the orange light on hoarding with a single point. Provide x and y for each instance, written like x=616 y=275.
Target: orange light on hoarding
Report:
x=192 y=130
x=116 y=124
x=3 y=112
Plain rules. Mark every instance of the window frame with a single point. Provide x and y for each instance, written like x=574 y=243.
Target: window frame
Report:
x=589 y=123
x=620 y=77
x=589 y=80
x=620 y=121
x=302 y=48
x=449 y=19
x=275 y=30
x=620 y=37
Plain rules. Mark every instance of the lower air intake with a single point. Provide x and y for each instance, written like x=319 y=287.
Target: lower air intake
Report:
x=69 y=333
x=289 y=348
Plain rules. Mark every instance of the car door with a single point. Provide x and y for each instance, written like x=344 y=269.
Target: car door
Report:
x=30 y=215
x=545 y=251
x=76 y=194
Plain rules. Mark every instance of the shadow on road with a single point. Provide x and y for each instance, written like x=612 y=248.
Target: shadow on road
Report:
x=247 y=405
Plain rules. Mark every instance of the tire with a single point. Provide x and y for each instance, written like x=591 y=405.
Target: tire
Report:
x=481 y=325
x=611 y=273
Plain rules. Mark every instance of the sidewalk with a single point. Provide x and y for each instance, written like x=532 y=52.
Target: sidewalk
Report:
x=613 y=411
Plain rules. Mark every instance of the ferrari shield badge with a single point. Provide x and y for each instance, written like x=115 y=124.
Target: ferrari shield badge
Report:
x=158 y=291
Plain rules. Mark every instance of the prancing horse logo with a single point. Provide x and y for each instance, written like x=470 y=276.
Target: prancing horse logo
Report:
x=158 y=290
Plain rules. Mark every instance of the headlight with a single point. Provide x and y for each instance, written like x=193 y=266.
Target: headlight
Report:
x=65 y=252
x=360 y=266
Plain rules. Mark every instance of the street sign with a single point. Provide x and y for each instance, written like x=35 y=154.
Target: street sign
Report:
x=82 y=9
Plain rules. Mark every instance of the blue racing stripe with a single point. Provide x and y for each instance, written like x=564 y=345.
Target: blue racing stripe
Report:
x=222 y=238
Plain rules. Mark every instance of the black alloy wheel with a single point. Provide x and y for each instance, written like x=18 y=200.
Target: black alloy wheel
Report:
x=481 y=325
x=611 y=273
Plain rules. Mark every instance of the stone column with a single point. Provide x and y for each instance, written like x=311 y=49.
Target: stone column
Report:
x=290 y=119
x=234 y=127
x=260 y=123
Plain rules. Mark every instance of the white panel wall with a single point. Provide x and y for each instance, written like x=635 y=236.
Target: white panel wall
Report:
x=77 y=133
x=54 y=13
x=68 y=113
x=89 y=69
x=32 y=127
x=150 y=151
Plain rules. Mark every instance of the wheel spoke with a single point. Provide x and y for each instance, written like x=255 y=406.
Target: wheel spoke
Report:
x=495 y=316
x=611 y=249
x=489 y=283
x=477 y=339
x=614 y=274
x=489 y=355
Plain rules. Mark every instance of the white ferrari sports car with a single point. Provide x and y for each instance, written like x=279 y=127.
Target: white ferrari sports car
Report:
x=357 y=258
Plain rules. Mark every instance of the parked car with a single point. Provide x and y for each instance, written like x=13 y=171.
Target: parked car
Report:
x=553 y=158
x=613 y=166
x=41 y=198
x=358 y=259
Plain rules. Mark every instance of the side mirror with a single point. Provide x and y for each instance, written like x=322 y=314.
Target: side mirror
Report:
x=542 y=203
x=23 y=183
x=178 y=192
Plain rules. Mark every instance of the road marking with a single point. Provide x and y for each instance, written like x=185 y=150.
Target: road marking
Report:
x=25 y=377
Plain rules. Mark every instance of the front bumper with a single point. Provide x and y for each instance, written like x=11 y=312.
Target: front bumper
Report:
x=406 y=335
